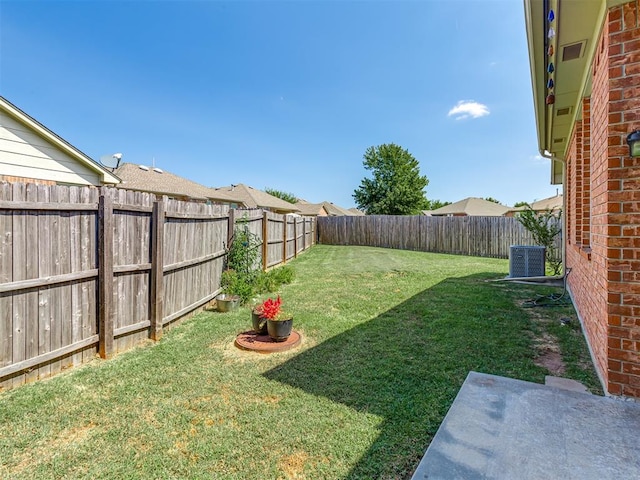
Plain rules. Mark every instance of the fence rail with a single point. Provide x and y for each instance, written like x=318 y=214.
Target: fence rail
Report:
x=474 y=236
x=86 y=271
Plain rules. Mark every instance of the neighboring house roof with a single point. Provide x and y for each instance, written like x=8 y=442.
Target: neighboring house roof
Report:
x=324 y=208
x=551 y=203
x=161 y=182
x=336 y=210
x=355 y=212
x=254 y=198
x=50 y=157
x=311 y=209
x=472 y=206
x=574 y=44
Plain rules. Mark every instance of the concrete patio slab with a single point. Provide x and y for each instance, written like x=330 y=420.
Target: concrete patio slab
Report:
x=500 y=428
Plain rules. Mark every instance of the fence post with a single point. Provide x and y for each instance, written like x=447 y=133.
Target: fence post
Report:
x=304 y=233
x=105 y=275
x=314 y=231
x=232 y=226
x=284 y=239
x=295 y=237
x=265 y=240
x=157 y=277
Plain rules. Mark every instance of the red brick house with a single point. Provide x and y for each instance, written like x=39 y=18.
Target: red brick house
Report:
x=585 y=68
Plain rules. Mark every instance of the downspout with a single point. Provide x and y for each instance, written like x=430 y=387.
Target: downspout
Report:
x=563 y=250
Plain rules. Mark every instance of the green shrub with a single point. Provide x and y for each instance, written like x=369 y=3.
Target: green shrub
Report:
x=265 y=283
x=268 y=282
x=544 y=227
x=235 y=284
x=283 y=275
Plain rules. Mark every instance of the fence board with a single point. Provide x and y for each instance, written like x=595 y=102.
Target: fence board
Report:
x=88 y=261
x=19 y=273
x=75 y=265
x=6 y=275
x=45 y=267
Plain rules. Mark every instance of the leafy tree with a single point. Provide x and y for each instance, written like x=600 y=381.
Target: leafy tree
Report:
x=491 y=199
x=286 y=196
x=520 y=204
x=435 y=204
x=397 y=188
x=544 y=227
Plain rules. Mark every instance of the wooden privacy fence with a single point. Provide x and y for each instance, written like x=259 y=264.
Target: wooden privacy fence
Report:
x=86 y=270
x=474 y=236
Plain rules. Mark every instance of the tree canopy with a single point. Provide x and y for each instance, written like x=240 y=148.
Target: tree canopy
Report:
x=396 y=188
x=286 y=196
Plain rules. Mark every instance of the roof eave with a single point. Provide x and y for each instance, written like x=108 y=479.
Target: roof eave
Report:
x=105 y=175
x=533 y=12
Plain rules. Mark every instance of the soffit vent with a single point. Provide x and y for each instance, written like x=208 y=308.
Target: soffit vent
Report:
x=573 y=51
x=559 y=140
x=563 y=111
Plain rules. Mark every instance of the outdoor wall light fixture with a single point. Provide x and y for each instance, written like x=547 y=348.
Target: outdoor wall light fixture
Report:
x=633 y=139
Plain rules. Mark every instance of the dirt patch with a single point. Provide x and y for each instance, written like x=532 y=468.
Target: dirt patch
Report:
x=293 y=465
x=232 y=354
x=552 y=361
x=549 y=355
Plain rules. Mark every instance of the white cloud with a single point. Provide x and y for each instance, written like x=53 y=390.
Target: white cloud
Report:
x=468 y=108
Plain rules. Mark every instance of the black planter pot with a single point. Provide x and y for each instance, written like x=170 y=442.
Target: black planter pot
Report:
x=259 y=323
x=279 y=330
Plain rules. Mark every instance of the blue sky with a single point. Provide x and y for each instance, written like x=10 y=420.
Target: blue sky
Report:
x=285 y=95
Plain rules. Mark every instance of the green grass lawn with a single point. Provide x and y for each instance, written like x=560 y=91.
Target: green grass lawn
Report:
x=389 y=337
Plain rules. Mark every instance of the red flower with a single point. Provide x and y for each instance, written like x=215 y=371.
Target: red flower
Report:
x=270 y=308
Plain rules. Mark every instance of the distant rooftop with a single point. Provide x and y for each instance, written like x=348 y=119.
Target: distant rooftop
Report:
x=155 y=180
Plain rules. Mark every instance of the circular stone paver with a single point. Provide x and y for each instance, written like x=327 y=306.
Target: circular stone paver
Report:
x=250 y=340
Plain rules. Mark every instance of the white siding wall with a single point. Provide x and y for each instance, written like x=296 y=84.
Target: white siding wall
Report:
x=25 y=154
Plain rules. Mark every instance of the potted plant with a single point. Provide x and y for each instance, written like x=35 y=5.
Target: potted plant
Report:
x=258 y=321
x=279 y=323
x=230 y=299
x=226 y=302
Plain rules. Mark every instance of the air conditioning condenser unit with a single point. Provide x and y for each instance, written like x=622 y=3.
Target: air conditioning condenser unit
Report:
x=526 y=261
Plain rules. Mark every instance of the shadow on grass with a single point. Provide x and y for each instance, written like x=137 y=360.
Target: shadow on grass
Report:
x=407 y=365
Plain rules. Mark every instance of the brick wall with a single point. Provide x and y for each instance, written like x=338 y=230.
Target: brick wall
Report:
x=604 y=200
x=10 y=179
x=623 y=202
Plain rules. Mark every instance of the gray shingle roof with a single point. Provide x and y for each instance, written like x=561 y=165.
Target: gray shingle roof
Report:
x=254 y=198
x=474 y=207
x=165 y=183
x=311 y=209
x=331 y=209
x=551 y=203
x=336 y=210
